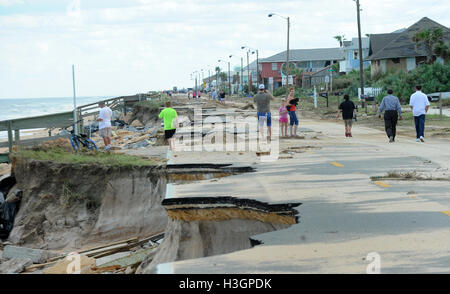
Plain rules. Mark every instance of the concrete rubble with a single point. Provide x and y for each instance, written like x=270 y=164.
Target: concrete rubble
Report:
x=14 y=265
x=35 y=255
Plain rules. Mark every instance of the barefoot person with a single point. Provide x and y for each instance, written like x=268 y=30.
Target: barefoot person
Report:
x=292 y=108
x=392 y=113
x=348 y=110
x=104 y=124
x=262 y=101
x=170 y=117
x=419 y=106
x=284 y=120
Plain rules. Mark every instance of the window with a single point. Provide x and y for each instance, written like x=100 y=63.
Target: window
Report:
x=355 y=55
x=318 y=64
x=396 y=60
x=302 y=64
x=274 y=66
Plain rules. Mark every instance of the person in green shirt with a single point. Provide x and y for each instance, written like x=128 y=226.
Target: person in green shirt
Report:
x=170 y=117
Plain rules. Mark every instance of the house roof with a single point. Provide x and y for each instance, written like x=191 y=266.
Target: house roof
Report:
x=354 y=44
x=308 y=55
x=379 y=41
x=400 y=45
x=252 y=65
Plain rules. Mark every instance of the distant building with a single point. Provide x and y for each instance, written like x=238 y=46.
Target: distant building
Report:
x=306 y=60
x=397 y=51
x=351 y=53
x=252 y=72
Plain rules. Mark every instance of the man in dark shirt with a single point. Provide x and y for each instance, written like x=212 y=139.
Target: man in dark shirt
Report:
x=348 y=109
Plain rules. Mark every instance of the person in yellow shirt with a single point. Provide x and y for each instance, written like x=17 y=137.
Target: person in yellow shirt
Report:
x=170 y=117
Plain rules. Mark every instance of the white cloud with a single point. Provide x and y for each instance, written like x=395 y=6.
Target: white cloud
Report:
x=142 y=45
x=10 y=2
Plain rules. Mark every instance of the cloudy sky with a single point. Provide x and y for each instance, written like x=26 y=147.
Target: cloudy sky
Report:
x=128 y=46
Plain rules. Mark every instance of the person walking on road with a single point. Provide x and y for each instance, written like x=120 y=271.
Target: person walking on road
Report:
x=392 y=113
x=170 y=117
x=104 y=124
x=292 y=108
x=419 y=106
x=262 y=101
x=348 y=110
x=222 y=97
x=214 y=94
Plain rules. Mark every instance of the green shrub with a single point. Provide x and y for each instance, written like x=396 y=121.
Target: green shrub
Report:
x=342 y=83
x=279 y=91
x=433 y=78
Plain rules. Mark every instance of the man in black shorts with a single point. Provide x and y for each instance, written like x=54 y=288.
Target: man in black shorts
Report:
x=170 y=117
x=348 y=110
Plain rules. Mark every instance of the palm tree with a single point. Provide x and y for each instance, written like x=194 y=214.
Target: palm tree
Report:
x=430 y=38
x=442 y=50
x=340 y=39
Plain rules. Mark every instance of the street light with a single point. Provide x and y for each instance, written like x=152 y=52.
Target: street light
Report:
x=248 y=71
x=229 y=85
x=287 y=51
x=257 y=61
x=195 y=74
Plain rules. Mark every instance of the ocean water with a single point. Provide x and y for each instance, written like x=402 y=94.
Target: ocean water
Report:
x=26 y=107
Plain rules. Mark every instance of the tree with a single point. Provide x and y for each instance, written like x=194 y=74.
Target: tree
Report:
x=223 y=76
x=340 y=39
x=429 y=39
x=299 y=75
x=442 y=50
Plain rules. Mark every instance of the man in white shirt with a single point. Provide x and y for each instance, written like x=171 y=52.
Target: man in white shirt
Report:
x=104 y=124
x=419 y=105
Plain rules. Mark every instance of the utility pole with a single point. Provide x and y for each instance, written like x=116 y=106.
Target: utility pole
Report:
x=257 y=67
x=242 y=73
x=209 y=78
x=287 y=54
x=248 y=75
x=229 y=82
x=75 y=121
x=203 y=81
x=217 y=80
x=361 y=66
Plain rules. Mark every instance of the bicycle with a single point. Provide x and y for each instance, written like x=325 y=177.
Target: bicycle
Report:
x=80 y=141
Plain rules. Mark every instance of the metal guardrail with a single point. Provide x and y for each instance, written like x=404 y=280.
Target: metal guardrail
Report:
x=63 y=119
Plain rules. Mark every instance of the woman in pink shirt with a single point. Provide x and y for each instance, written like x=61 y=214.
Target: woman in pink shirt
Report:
x=283 y=118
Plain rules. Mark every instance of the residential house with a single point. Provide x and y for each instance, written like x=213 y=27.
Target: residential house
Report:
x=351 y=53
x=307 y=60
x=397 y=51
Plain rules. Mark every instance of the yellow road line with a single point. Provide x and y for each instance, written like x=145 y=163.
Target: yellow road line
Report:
x=382 y=184
x=446 y=212
x=337 y=164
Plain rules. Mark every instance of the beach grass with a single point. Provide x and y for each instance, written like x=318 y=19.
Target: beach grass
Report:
x=153 y=104
x=109 y=159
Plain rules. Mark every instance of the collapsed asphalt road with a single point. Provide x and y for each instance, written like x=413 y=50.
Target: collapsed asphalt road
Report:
x=346 y=217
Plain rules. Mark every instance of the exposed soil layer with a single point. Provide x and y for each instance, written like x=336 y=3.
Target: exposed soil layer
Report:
x=206 y=226
x=70 y=206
